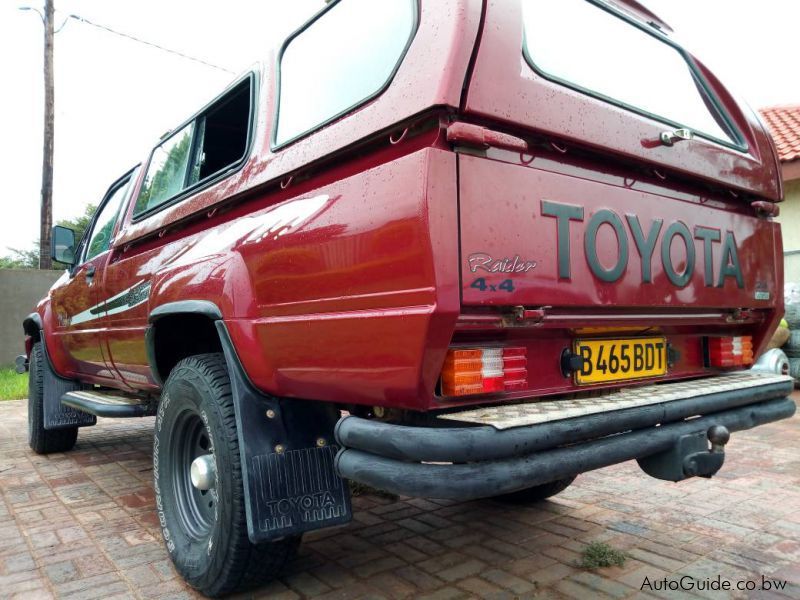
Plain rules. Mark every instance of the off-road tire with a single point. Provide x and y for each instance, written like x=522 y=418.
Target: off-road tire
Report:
x=213 y=555
x=536 y=493
x=794 y=370
x=41 y=440
x=792 y=346
x=792 y=315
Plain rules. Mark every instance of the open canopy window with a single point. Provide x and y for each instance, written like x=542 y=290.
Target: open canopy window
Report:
x=212 y=143
x=590 y=47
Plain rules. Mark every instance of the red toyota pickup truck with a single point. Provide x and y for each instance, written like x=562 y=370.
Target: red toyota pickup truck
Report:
x=470 y=249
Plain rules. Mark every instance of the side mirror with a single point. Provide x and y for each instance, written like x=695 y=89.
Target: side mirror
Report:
x=62 y=245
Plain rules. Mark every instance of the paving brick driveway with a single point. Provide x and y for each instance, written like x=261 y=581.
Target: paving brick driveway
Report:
x=82 y=525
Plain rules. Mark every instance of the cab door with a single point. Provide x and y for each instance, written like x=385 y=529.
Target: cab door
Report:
x=77 y=302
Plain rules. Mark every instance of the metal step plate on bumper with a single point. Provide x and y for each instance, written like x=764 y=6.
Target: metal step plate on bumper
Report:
x=532 y=413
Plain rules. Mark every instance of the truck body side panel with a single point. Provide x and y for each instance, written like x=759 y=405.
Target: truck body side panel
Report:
x=347 y=292
x=357 y=298
x=75 y=327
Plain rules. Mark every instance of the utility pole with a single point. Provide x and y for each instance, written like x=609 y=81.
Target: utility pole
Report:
x=46 y=214
x=46 y=217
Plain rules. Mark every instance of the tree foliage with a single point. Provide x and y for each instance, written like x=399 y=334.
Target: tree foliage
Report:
x=29 y=258
x=81 y=223
x=167 y=171
x=21 y=259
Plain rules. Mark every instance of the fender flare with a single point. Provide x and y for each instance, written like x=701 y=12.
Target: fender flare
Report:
x=202 y=308
x=32 y=326
x=186 y=307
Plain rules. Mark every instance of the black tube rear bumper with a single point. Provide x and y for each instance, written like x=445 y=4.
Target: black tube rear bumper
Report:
x=487 y=462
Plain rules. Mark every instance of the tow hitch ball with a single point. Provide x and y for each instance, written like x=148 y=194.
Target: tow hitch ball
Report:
x=689 y=456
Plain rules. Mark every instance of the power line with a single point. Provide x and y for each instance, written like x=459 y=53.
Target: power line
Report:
x=151 y=44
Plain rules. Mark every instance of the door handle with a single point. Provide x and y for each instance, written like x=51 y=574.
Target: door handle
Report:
x=89 y=273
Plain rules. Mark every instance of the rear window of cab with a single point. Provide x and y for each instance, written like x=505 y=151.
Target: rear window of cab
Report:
x=590 y=46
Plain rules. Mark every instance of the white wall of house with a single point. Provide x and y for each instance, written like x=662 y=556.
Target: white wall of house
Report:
x=790 y=226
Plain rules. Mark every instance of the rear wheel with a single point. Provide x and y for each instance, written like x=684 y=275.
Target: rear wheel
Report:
x=794 y=370
x=792 y=347
x=41 y=440
x=792 y=315
x=537 y=493
x=198 y=484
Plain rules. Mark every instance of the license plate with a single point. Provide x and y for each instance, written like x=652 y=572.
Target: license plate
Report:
x=621 y=359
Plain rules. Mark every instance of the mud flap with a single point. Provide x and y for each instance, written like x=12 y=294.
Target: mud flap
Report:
x=57 y=415
x=287 y=450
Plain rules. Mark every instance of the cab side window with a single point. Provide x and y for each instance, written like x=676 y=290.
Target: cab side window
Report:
x=344 y=58
x=103 y=227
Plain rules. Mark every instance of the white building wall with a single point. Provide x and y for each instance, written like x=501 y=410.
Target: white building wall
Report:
x=790 y=227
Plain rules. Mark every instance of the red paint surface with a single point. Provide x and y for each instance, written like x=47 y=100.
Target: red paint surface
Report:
x=349 y=282
x=501 y=216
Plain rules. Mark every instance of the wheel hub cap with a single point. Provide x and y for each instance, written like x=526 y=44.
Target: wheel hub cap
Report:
x=203 y=472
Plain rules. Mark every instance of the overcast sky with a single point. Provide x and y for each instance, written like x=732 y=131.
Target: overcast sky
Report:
x=115 y=97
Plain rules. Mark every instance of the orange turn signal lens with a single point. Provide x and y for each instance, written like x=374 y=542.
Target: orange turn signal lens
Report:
x=734 y=351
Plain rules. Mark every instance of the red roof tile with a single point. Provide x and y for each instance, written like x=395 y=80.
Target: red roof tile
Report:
x=784 y=124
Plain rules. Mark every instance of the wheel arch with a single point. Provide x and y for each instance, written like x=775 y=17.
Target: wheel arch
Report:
x=32 y=326
x=180 y=329
x=271 y=431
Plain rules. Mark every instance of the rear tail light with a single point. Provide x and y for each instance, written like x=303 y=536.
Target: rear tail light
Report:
x=484 y=370
x=730 y=351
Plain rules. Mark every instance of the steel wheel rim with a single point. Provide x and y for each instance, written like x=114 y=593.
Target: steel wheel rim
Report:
x=196 y=509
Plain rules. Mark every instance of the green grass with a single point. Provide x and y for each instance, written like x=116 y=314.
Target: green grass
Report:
x=13 y=386
x=598 y=555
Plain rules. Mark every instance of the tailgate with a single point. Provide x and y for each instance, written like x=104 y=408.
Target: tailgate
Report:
x=535 y=236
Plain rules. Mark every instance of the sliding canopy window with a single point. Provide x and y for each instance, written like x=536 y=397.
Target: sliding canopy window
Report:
x=212 y=143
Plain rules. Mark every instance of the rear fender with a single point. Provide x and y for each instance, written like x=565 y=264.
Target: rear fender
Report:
x=287 y=450
x=32 y=326
x=286 y=446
